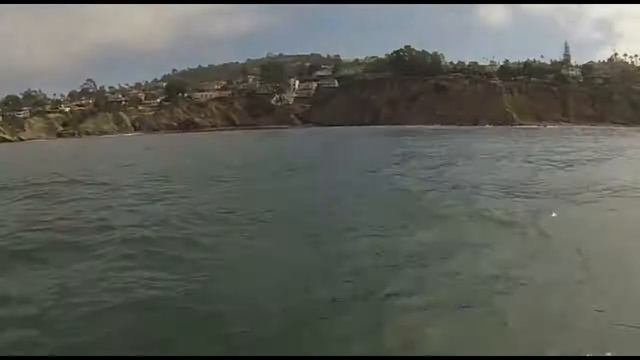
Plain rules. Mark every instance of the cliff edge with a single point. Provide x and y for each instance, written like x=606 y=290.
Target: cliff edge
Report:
x=442 y=100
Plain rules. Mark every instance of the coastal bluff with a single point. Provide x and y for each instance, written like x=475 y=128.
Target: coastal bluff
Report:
x=438 y=100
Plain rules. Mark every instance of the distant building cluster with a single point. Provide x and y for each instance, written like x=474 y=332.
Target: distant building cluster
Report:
x=323 y=75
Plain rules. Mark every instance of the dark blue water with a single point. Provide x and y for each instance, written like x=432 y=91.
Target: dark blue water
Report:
x=323 y=241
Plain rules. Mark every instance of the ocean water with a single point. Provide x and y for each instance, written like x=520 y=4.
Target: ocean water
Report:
x=365 y=240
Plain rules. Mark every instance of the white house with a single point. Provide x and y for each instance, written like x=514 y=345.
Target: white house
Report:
x=294 y=84
x=573 y=72
x=208 y=95
x=22 y=114
x=306 y=89
x=324 y=72
x=328 y=83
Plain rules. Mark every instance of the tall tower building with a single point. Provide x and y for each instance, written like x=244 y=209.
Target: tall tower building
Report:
x=566 y=57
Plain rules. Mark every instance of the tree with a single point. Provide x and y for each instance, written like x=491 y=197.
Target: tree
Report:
x=73 y=95
x=34 y=98
x=134 y=101
x=409 y=61
x=175 y=88
x=244 y=71
x=11 y=103
x=90 y=85
x=312 y=68
x=273 y=72
x=100 y=99
x=338 y=66
x=88 y=88
x=505 y=71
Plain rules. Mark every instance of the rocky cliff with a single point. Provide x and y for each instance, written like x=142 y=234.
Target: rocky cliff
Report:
x=465 y=101
x=387 y=101
x=182 y=116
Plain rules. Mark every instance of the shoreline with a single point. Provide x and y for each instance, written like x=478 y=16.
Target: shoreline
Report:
x=306 y=126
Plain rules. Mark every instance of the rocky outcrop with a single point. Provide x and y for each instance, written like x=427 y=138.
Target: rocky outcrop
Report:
x=106 y=124
x=42 y=127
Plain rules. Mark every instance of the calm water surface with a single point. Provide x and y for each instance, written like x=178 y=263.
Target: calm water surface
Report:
x=383 y=240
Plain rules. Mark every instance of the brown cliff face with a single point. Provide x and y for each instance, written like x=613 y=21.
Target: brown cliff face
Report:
x=462 y=101
x=401 y=101
x=243 y=112
x=182 y=116
x=388 y=101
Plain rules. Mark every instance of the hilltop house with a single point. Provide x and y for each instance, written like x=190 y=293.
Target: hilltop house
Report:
x=325 y=71
x=62 y=108
x=350 y=70
x=211 y=85
x=116 y=99
x=492 y=67
x=328 y=83
x=23 y=113
x=81 y=104
x=136 y=93
x=209 y=95
x=572 y=72
x=306 y=89
x=294 y=84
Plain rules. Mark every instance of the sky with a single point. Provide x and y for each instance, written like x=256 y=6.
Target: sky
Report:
x=56 y=47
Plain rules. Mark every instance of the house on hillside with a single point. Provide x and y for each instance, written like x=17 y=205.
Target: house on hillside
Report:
x=325 y=71
x=572 y=72
x=212 y=85
x=294 y=84
x=62 y=108
x=492 y=68
x=23 y=113
x=210 y=95
x=116 y=99
x=350 y=70
x=81 y=104
x=136 y=93
x=306 y=89
x=328 y=83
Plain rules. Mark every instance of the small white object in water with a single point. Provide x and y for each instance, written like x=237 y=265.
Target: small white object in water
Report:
x=607 y=354
x=553 y=214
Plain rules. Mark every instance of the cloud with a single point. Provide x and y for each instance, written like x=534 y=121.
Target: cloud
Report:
x=495 y=15
x=41 y=40
x=613 y=27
